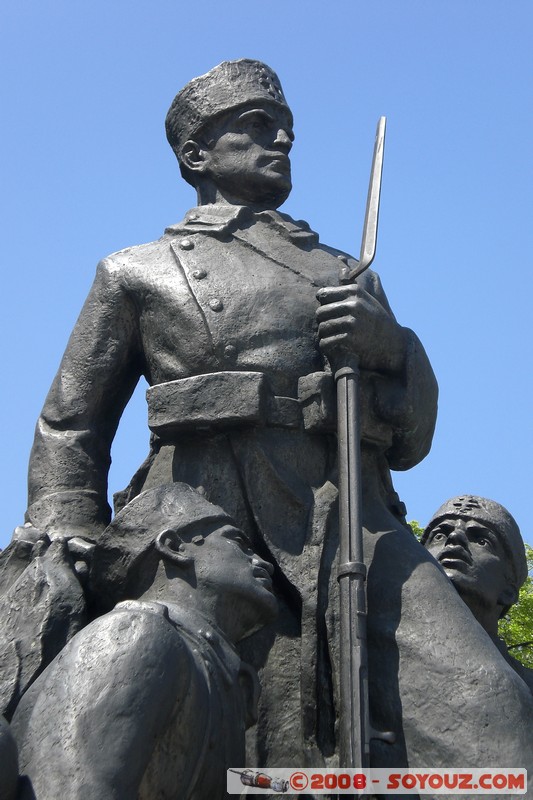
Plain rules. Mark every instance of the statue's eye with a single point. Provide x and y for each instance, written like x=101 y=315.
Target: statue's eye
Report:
x=256 y=121
x=480 y=537
x=260 y=123
x=240 y=540
x=486 y=542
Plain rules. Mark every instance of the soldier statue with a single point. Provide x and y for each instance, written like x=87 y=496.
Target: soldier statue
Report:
x=234 y=317
x=480 y=546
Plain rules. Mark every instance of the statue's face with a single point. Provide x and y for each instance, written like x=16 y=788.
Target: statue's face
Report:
x=248 y=156
x=473 y=558
x=227 y=568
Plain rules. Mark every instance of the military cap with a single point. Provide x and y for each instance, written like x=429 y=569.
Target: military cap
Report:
x=128 y=540
x=225 y=87
x=494 y=516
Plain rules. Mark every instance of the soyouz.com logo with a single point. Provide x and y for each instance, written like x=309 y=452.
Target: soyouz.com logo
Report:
x=489 y=781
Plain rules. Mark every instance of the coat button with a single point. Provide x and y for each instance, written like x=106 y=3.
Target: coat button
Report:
x=186 y=244
x=230 y=352
x=199 y=274
x=216 y=304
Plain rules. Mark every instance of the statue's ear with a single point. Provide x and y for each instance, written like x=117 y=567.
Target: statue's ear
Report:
x=169 y=545
x=192 y=155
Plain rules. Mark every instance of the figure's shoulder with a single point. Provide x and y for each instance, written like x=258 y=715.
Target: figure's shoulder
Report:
x=136 y=633
x=132 y=660
x=137 y=257
x=137 y=269
x=145 y=618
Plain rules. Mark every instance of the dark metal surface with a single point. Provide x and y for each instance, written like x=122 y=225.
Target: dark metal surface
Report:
x=354 y=743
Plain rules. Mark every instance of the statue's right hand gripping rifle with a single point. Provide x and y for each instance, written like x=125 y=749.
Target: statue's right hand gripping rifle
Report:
x=355 y=729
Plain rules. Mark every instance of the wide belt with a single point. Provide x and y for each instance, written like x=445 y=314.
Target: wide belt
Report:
x=224 y=400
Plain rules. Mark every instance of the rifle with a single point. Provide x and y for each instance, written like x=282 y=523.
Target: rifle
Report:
x=355 y=728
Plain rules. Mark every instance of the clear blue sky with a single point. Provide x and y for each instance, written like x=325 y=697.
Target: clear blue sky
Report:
x=86 y=170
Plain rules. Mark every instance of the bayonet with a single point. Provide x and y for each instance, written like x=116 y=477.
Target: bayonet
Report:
x=370 y=227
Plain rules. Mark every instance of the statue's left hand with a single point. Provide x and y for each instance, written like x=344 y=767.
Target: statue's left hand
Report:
x=352 y=322
x=78 y=550
x=42 y=606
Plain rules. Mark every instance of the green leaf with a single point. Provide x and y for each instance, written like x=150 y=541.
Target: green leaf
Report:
x=417 y=528
x=516 y=628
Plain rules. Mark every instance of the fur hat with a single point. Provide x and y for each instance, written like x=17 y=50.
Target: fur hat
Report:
x=227 y=86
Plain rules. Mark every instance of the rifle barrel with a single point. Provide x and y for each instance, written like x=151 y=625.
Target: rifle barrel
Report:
x=354 y=744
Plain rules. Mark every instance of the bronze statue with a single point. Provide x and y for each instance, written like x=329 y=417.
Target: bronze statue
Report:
x=152 y=699
x=233 y=317
x=480 y=547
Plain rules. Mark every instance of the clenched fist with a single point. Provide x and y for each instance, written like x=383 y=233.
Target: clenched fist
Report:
x=352 y=322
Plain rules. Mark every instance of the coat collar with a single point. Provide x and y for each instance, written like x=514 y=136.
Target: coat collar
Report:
x=220 y=220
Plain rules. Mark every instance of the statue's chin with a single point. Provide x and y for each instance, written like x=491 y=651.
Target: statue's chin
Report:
x=271 y=200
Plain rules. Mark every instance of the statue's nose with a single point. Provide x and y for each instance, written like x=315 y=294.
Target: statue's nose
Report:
x=283 y=138
x=458 y=536
x=264 y=564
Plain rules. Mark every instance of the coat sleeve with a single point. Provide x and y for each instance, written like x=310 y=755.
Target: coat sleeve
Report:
x=407 y=402
x=70 y=458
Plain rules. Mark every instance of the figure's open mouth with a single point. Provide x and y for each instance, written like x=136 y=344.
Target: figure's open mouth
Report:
x=455 y=558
